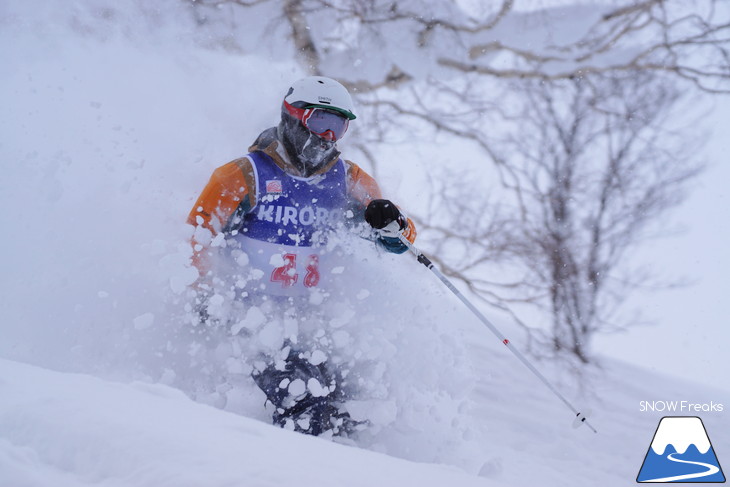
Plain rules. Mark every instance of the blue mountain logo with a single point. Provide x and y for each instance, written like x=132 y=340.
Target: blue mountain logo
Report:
x=681 y=452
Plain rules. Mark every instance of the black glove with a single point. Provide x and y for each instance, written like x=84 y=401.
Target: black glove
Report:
x=380 y=213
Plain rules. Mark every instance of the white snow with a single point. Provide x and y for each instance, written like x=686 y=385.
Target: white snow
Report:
x=218 y=240
x=315 y=388
x=71 y=430
x=271 y=335
x=318 y=357
x=242 y=259
x=277 y=260
x=297 y=387
x=113 y=123
x=253 y=320
x=142 y=322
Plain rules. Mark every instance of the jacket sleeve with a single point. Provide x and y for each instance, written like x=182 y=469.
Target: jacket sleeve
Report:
x=362 y=188
x=229 y=194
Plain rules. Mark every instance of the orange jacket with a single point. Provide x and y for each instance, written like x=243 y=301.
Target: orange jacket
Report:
x=231 y=191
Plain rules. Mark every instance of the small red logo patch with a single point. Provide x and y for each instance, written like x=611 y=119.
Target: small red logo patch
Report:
x=273 y=186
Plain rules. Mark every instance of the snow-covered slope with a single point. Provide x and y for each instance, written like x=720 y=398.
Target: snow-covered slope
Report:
x=112 y=122
x=62 y=429
x=68 y=430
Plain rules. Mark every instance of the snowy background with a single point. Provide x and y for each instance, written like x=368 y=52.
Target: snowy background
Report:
x=113 y=119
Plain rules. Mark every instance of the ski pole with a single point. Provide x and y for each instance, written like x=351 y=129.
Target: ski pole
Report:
x=580 y=418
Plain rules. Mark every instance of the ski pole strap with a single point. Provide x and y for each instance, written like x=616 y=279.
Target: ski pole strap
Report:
x=427 y=262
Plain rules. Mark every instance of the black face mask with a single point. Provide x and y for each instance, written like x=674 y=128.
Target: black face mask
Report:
x=307 y=151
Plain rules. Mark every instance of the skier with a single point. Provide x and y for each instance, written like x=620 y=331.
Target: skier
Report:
x=278 y=205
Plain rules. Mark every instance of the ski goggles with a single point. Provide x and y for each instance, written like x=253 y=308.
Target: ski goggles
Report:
x=320 y=121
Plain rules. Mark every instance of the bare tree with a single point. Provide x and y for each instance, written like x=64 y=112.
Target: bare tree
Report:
x=583 y=153
x=588 y=167
x=592 y=172
x=687 y=39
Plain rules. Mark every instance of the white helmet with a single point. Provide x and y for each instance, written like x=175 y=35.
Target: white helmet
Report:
x=320 y=92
